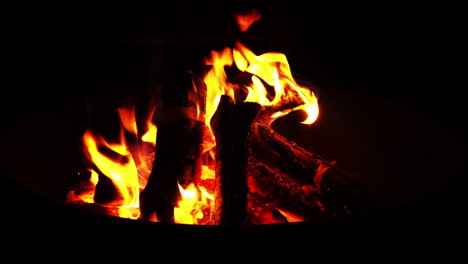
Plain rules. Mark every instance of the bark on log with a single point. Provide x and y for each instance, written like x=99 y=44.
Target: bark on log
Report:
x=283 y=155
x=178 y=154
x=283 y=192
x=175 y=161
x=337 y=188
x=231 y=125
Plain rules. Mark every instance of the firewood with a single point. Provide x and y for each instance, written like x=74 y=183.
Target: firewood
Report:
x=283 y=192
x=178 y=152
x=337 y=187
x=176 y=158
x=278 y=153
x=105 y=191
x=231 y=126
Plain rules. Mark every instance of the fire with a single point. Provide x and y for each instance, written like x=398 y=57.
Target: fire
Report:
x=128 y=170
x=244 y=21
x=127 y=115
x=292 y=218
x=86 y=193
x=151 y=129
x=271 y=68
x=271 y=85
x=190 y=209
x=122 y=172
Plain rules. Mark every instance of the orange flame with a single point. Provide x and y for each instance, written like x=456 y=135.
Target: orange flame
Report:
x=122 y=173
x=128 y=172
x=86 y=192
x=271 y=85
x=127 y=116
x=271 y=68
x=151 y=129
x=290 y=217
x=244 y=21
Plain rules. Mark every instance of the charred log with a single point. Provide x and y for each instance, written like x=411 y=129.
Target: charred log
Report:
x=231 y=126
x=176 y=158
x=283 y=192
x=339 y=191
x=105 y=192
x=178 y=151
x=283 y=155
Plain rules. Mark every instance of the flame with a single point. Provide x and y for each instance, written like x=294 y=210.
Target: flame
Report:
x=122 y=173
x=128 y=170
x=271 y=68
x=85 y=194
x=127 y=117
x=151 y=129
x=190 y=208
x=244 y=21
x=290 y=217
x=216 y=81
x=196 y=202
x=270 y=84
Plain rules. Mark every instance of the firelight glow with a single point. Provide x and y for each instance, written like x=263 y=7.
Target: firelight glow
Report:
x=271 y=85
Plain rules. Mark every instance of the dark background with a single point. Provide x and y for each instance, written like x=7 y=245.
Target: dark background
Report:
x=392 y=108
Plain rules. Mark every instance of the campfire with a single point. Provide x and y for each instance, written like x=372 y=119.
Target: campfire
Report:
x=214 y=159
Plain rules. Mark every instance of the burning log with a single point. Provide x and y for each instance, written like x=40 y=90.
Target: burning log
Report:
x=209 y=141
x=291 y=167
x=283 y=192
x=175 y=161
x=231 y=126
x=178 y=157
x=283 y=155
x=105 y=190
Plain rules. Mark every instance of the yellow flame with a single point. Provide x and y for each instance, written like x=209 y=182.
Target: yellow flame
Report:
x=150 y=135
x=207 y=173
x=271 y=68
x=190 y=207
x=124 y=175
x=129 y=171
x=216 y=81
x=272 y=86
x=205 y=192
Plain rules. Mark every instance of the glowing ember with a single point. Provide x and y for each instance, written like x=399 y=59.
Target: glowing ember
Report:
x=290 y=217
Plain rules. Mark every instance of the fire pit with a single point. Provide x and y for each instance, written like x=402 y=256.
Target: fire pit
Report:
x=208 y=155
x=220 y=158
